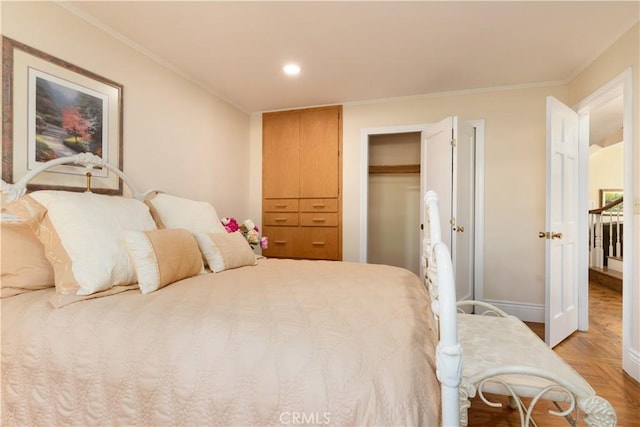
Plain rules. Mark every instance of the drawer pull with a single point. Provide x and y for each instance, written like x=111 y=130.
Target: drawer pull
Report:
x=280 y=219
x=318 y=243
x=319 y=220
x=280 y=242
x=318 y=205
x=281 y=206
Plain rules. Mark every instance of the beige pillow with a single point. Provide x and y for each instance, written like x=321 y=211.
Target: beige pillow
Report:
x=225 y=251
x=162 y=257
x=24 y=265
x=176 y=212
x=83 y=237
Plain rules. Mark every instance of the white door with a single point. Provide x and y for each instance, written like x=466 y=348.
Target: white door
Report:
x=449 y=165
x=464 y=203
x=561 y=251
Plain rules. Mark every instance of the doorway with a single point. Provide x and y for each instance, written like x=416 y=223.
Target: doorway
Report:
x=393 y=211
x=478 y=127
x=619 y=86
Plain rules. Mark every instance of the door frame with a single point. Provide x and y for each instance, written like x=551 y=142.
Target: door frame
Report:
x=620 y=84
x=479 y=126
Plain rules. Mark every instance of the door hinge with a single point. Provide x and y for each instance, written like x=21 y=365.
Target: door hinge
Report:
x=453 y=142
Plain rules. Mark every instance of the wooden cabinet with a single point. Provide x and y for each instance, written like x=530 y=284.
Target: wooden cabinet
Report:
x=301 y=183
x=320 y=131
x=280 y=155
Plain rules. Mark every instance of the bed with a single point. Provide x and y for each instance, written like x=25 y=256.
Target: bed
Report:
x=168 y=320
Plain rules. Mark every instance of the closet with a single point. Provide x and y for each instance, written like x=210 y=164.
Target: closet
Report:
x=394 y=205
x=442 y=159
x=301 y=183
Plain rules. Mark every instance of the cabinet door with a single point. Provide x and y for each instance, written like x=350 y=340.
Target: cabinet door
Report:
x=282 y=241
x=319 y=146
x=318 y=243
x=280 y=155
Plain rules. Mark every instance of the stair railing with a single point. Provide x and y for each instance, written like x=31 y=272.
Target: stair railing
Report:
x=611 y=217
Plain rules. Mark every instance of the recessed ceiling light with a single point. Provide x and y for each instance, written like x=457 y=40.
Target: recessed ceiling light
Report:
x=291 y=69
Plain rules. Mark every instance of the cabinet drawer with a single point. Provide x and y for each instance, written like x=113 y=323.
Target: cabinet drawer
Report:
x=318 y=205
x=280 y=205
x=278 y=218
x=318 y=243
x=282 y=241
x=320 y=219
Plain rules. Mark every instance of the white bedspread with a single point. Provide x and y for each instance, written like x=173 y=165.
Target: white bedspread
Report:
x=281 y=343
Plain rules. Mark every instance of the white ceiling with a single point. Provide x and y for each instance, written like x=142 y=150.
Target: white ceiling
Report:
x=362 y=50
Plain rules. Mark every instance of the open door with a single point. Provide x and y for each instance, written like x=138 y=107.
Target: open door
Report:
x=449 y=170
x=562 y=213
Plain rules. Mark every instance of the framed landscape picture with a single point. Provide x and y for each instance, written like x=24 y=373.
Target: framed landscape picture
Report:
x=611 y=195
x=53 y=109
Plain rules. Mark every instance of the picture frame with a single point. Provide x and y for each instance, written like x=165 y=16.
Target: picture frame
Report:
x=53 y=109
x=609 y=195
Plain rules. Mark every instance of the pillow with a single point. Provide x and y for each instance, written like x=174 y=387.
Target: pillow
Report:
x=225 y=251
x=83 y=237
x=24 y=265
x=162 y=257
x=175 y=212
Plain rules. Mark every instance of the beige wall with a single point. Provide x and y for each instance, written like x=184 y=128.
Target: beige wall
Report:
x=619 y=57
x=394 y=149
x=177 y=137
x=605 y=171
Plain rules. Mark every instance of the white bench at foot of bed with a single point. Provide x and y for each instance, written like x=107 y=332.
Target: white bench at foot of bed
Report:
x=504 y=356
x=500 y=354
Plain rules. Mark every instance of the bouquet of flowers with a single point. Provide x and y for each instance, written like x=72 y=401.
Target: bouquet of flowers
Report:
x=248 y=229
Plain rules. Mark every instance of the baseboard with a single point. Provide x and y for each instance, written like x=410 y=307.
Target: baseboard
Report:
x=631 y=364
x=524 y=312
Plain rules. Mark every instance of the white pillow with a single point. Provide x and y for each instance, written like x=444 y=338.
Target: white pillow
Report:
x=225 y=251
x=176 y=212
x=83 y=235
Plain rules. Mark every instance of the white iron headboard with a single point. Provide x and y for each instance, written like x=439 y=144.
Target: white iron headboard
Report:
x=88 y=160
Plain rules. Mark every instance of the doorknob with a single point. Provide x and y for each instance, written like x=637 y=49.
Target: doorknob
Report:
x=459 y=229
x=550 y=235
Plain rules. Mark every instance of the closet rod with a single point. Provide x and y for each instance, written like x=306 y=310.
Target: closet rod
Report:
x=396 y=169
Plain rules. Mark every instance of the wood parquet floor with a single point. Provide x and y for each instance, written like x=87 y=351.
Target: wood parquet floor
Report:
x=596 y=355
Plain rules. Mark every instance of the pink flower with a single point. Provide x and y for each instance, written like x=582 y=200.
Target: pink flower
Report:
x=248 y=229
x=230 y=224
